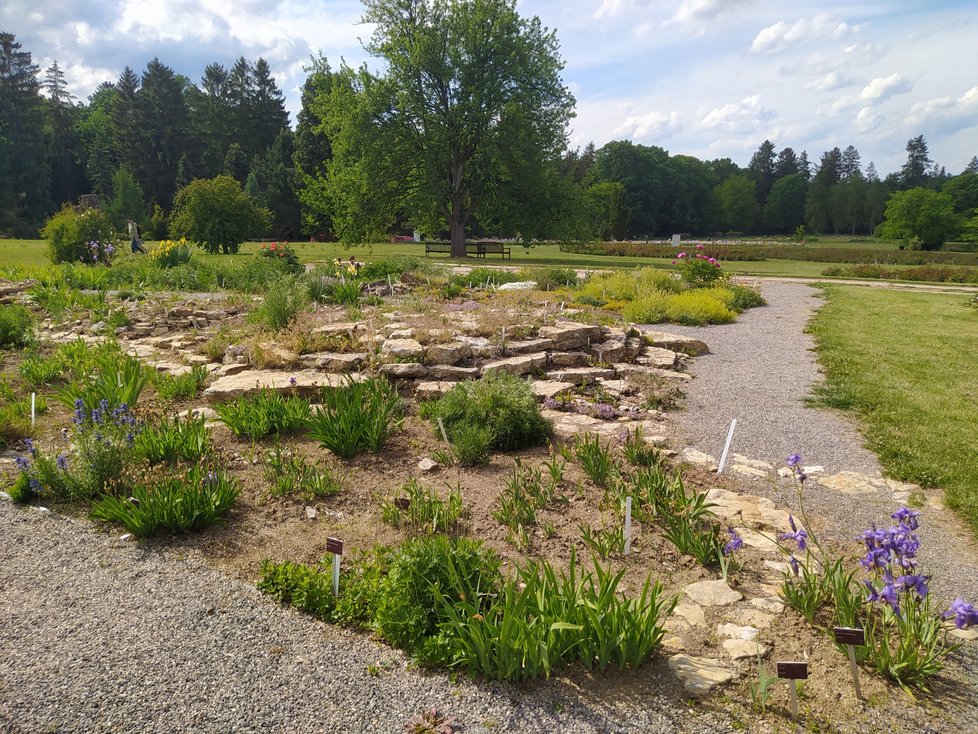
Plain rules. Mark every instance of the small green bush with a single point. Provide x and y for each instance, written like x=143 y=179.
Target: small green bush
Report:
x=175 y=504
x=284 y=300
x=357 y=417
x=502 y=405
x=71 y=232
x=550 y=278
x=651 y=309
x=654 y=279
x=118 y=381
x=181 y=387
x=290 y=475
x=694 y=308
x=16 y=326
x=281 y=252
x=174 y=440
x=480 y=276
x=393 y=266
x=472 y=444
x=745 y=297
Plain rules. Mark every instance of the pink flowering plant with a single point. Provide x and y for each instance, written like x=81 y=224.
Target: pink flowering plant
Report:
x=699 y=270
x=906 y=633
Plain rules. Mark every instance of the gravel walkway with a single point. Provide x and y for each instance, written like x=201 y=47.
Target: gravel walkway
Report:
x=760 y=370
x=102 y=635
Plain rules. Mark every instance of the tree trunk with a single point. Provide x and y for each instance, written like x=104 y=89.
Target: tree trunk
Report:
x=457 y=228
x=456 y=221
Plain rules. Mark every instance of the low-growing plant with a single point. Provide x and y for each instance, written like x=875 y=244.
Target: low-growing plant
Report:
x=171 y=253
x=525 y=492
x=502 y=405
x=184 y=386
x=118 y=381
x=356 y=417
x=16 y=326
x=638 y=452
x=699 y=270
x=482 y=277
x=419 y=508
x=298 y=585
x=697 y=308
x=604 y=542
x=284 y=299
x=283 y=253
x=290 y=475
x=264 y=413
x=173 y=440
x=177 y=504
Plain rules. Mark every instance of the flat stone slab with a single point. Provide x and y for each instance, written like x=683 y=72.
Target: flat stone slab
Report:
x=569 y=335
x=334 y=361
x=699 y=675
x=427 y=390
x=741 y=649
x=714 y=593
x=529 y=346
x=694 y=456
x=402 y=349
x=307 y=383
x=730 y=631
x=664 y=359
x=569 y=359
x=518 y=285
x=404 y=370
x=692 y=613
x=677 y=342
x=348 y=328
x=521 y=365
x=850 y=482
x=451 y=372
x=767 y=604
x=448 y=354
x=581 y=375
x=544 y=389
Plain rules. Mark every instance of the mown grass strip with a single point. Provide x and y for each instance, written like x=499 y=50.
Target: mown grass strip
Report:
x=905 y=363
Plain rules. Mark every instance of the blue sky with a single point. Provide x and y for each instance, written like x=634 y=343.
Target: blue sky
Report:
x=710 y=78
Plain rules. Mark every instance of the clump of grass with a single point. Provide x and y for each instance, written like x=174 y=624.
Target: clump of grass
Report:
x=419 y=508
x=638 y=452
x=263 y=414
x=697 y=308
x=525 y=493
x=289 y=475
x=357 y=417
x=174 y=440
x=284 y=299
x=651 y=309
x=595 y=458
x=180 y=387
x=16 y=326
x=118 y=381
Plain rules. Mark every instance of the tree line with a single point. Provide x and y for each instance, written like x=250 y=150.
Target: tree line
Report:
x=464 y=134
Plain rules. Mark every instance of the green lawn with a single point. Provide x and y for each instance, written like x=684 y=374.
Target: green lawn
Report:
x=905 y=364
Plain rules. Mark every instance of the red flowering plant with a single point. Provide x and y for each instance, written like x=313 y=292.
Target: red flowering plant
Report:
x=281 y=252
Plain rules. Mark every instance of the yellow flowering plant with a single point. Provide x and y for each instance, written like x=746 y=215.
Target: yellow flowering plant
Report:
x=170 y=253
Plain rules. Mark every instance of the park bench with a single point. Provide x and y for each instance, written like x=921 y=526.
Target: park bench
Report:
x=446 y=247
x=493 y=248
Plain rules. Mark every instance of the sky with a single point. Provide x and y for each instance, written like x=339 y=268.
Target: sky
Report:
x=708 y=78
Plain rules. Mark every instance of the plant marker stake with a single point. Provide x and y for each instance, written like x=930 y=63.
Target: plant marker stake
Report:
x=850 y=637
x=33 y=407
x=444 y=435
x=793 y=672
x=726 y=446
x=390 y=284
x=335 y=546
x=628 y=525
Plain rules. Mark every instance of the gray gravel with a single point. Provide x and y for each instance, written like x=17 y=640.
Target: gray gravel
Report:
x=102 y=635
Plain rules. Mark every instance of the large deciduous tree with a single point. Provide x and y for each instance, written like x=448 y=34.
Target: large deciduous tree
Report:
x=467 y=122
x=920 y=217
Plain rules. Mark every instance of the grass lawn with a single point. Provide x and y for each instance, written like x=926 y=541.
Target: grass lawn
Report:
x=905 y=363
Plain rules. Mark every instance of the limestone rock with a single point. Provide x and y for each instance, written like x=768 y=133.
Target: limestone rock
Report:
x=208 y=414
x=677 y=342
x=693 y=456
x=754 y=618
x=449 y=354
x=401 y=334
x=404 y=370
x=545 y=389
x=698 y=674
x=481 y=347
x=449 y=372
x=737 y=632
x=519 y=285
x=663 y=359
x=402 y=349
x=307 y=383
x=521 y=365
x=692 y=613
x=768 y=604
x=426 y=465
x=428 y=390
x=569 y=359
x=334 y=361
x=528 y=346
x=348 y=328
x=714 y=593
x=674 y=643
x=609 y=351
x=740 y=649
x=749 y=471
x=580 y=375
x=850 y=482
x=569 y=335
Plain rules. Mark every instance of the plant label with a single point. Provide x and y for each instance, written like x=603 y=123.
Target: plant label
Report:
x=793 y=670
x=850 y=637
x=334 y=546
x=628 y=525
x=726 y=446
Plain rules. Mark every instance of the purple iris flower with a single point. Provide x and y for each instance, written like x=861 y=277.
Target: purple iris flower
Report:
x=34 y=485
x=734 y=544
x=23 y=463
x=793 y=562
x=916 y=582
x=964 y=614
x=907 y=518
x=62 y=462
x=794 y=460
x=798 y=535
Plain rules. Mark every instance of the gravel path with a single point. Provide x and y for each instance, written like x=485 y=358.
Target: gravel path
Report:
x=760 y=370
x=102 y=635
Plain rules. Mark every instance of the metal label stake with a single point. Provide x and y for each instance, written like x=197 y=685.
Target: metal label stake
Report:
x=793 y=671
x=850 y=637
x=628 y=525
x=335 y=546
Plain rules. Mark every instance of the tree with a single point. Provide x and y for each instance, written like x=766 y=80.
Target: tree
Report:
x=163 y=131
x=963 y=191
x=786 y=164
x=272 y=184
x=466 y=122
x=644 y=172
x=127 y=200
x=608 y=210
x=785 y=207
x=125 y=120
x=236 y=163
x=921 y=216
x=914 y=171
x=849 y=203
x=313 y=150
x=67 y=172
x=849 y=163
x=804 y=167
x=24 y=197
x=972 y=166
x=737 y=199
x=762 y=170
x=97 y=139
x=216 y=214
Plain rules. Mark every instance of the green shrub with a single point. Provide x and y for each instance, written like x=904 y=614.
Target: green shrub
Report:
x=699 y=270
x=550 y=278
x=501 y=404
x=298 y=585
x=253 y=275
x=695 y=308
x=180 y=387
x=654 y=279
x=281 y=252
x=651 y=309
x=745 y=297
x=393 y=266
x=283 y=302
x=177 y=504
x=16 y=326
x=170 y=253
x=601 y=288
x=263 y=414
x=425 y=510
x=118 y=381
x=472 y=444
x=174 y=440
x=71 y=232
x=357 y=417
x=216 y=214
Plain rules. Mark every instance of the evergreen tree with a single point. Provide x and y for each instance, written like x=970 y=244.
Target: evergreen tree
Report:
x=241 y=90
x=267 y=114
x=125 y=120
x=786 y=164
x=213 y=115
x=272 y=184
x=871 y=174
x=236 y=163
x=96 y=137
x=762 y=170
x=162 y=115
x=804 y=167
x=67 y=172
x=127 y=200
x=914 y=171
x=785 y=207
x=24 y=177
x=972 y=166
x=849 y=163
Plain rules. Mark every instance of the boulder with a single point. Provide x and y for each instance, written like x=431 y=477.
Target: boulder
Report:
x=481 y=347
x=402 y=349
x=742 y=649
x=677 y=342
x=569 y=359
x=450 y=372
x=348 y=328
x=448 y=354
x=568 y=335
x=404 y=370
x=521 y=365
x=609 y=351
x=545 y=389
x=302 y=382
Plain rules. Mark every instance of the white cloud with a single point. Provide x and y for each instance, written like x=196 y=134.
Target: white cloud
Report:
x=609 y=8
x=867 y=120
x=823 y=62
x=830 y=82
x=780 y=36
x=692 y=12
x=884 y=87
x=651 y=126
x=946 y=114
x=741 y=117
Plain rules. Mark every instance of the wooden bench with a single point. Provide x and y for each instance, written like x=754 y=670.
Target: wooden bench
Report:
x=494 y=248
x=446 y=247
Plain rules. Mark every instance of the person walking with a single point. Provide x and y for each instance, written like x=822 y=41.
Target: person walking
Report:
x=137 y=245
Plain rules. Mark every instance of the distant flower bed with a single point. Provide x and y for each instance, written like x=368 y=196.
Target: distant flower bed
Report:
x=282 y=252
x=170 y=253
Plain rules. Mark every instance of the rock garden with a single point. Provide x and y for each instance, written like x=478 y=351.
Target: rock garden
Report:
x=477 y=468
